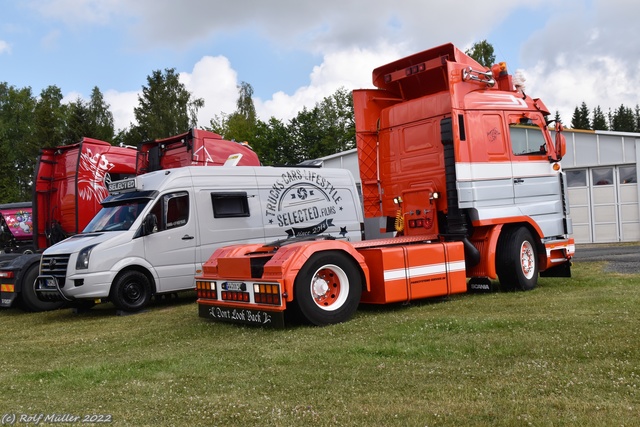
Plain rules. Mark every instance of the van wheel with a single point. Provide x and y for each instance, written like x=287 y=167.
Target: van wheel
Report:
x=516 y=260
x=28 y=296
x=131 y=291
x=328 y=288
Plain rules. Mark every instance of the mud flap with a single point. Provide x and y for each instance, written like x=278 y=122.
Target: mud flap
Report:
x=562 y=270
x=482 y=285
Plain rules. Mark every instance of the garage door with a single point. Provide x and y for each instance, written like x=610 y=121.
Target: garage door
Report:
x=604 y=204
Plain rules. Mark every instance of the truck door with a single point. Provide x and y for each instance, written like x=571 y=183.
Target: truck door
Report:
x=485 y=175
x=537 y=187
x=172 y=248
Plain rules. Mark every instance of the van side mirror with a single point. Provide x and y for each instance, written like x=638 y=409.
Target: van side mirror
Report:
x=150 y=224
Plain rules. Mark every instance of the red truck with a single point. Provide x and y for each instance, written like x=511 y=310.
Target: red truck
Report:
x=464 y=162
x=70 y=182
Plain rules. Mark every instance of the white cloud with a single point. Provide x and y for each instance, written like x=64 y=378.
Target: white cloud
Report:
x=586 y=51
x=350 y=69
x=320 y=27
x=79 y=12
x=121 y=105
x=586 y=54
x=4 y=47
x=213 y=80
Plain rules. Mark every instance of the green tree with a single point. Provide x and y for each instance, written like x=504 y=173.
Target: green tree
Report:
x=623 y=120
x=100 y=117
x=49 y=118
x=482 y=52
x=165 y=108
x=326 y=129
x=241 y=125
x=18 y=145
x=557 y=117
x=580 y=119
x=77 y=123
x=599 y=121
x=273 y=144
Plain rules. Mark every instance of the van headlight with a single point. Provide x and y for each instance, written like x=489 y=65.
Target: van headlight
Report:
x=82 y=263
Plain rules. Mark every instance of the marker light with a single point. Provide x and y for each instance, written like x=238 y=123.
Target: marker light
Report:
x=206 y=289
x=6 y=274
x=266 y=293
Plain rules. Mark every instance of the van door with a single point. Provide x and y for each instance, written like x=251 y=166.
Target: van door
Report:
x=172 y=248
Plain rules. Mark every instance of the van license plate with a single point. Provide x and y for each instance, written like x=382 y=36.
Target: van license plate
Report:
x=49 y=283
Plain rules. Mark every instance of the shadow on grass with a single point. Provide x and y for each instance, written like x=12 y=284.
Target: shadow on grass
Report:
x=157 y=303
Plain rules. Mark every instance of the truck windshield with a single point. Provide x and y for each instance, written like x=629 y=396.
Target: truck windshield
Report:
x=116 y=217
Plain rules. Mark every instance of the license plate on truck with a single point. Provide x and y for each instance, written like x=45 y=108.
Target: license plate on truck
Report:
x=242 y=315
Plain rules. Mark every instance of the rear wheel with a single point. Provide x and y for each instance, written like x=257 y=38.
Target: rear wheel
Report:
x=516 y=260
x=328 y=288
x=131 y=291
x=28 y=296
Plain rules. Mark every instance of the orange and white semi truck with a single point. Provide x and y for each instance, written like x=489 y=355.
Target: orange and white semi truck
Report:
x=463 y=160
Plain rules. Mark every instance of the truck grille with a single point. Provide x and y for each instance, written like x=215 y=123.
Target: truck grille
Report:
x=56 y=266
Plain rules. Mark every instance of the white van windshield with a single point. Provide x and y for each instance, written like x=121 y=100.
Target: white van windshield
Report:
x=116 y=217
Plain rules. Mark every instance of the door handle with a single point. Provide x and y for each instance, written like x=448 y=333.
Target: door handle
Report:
x=518 y=181
x=187 y=237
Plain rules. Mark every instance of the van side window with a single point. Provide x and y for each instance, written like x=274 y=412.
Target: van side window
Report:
x=171 y=211
x=527 y=140
x=230 y=205
x=177 y=209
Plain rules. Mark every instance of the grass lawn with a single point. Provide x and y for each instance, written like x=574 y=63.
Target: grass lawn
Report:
x=567 y=353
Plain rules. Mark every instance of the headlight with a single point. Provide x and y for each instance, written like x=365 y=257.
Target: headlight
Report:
x=82 y=263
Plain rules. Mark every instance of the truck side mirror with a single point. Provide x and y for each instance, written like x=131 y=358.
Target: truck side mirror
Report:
x=150 y=224
x=561 y=145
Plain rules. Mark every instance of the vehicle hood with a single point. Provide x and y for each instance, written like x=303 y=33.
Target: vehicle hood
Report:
x=79 y=241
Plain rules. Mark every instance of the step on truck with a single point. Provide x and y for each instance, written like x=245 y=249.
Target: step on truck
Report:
x=71 y=181
x=155 y=230
x=462 y=160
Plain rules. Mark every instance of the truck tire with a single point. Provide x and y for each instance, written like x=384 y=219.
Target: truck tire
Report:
x=131 y=291
x=517 y=260
x=28 y=296
x=327 y=289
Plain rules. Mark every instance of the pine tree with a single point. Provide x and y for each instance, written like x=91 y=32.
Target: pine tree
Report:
x=623 y=120
x=599 y=120
x=580 y=119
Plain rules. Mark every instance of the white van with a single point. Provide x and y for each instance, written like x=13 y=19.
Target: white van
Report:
x=156 y=230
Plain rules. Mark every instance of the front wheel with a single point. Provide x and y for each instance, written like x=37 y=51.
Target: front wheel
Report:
x=516 y=260
x=28 y=296
x=327 y=289
x=131 y=291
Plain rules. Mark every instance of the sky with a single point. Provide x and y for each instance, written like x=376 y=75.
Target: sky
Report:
x=294 y=53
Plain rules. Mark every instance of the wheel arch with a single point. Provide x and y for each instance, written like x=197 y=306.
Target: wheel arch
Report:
x=487 y=234
x=328 y=288
x=138 y=268
x=296 y=256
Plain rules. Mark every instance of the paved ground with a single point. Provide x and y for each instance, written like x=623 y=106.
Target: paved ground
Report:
x=620 y=258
